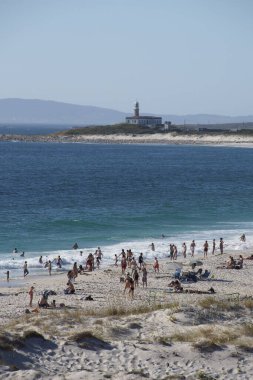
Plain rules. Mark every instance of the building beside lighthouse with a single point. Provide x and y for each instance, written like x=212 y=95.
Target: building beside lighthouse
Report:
x=137 y=119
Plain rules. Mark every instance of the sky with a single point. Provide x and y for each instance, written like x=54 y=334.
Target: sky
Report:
x=173 y=56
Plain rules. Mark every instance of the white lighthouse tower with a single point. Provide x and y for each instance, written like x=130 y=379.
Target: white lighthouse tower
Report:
x=136 y=109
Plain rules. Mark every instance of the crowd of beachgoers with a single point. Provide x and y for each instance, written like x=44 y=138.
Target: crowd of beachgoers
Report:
x=92 y=296
x=134 y=269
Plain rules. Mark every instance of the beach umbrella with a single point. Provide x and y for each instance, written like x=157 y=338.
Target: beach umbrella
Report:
x=196 y=262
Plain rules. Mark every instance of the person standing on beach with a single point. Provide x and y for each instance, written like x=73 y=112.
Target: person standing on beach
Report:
x=49 y=267
x=129 y=284
x=136 y=278
x=8 y=275
x=152 y=245
x=144 y=277
x=174 y=252
x=40 y=260
x=75 y=270
x=31 y=295
x=59 y=262
x=193 y=245
x=214 y=244
x=171 y=251
x=99 y=256
x=205 y=248
x=123 y=264
x=129 y=258
x=221 y=246
x=140 y=259
x=25 y=269
x=184 y=250
x=122 y=253
x=116 y=260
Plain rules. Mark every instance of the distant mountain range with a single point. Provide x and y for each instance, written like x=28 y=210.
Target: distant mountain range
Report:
x=21 y=111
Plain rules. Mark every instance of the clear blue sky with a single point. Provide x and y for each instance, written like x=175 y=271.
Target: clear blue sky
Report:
x=174 y=56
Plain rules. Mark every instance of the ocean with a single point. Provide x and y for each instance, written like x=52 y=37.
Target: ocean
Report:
x=120 y=196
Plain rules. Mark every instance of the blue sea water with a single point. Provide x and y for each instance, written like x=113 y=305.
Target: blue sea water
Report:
x=121 y=196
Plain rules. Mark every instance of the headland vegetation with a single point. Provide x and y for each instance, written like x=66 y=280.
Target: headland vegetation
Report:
x=232 y=135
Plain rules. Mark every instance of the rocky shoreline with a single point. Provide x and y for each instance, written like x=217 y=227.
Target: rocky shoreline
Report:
x=158 y=138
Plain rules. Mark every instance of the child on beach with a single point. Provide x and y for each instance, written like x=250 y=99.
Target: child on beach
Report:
x=31 y=295
x=156 y=265
x=116 y=260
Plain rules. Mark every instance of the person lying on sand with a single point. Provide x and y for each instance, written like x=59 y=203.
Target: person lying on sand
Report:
x=196 y=291
x=249 y=257
x=176 y=285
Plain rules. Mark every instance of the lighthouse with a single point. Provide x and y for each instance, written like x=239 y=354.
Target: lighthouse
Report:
x=149 y=121
x=136 y=110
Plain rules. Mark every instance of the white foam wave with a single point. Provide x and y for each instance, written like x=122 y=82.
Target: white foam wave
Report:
x=231 y=239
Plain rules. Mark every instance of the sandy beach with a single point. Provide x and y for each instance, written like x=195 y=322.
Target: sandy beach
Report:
x=157 y=335
x=156 y=138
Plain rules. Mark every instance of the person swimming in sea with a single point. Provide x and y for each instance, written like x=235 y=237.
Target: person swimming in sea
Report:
x=243 y=238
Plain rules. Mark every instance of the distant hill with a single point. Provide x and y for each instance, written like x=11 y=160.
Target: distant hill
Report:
x=20 y=111
x=27 y=111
